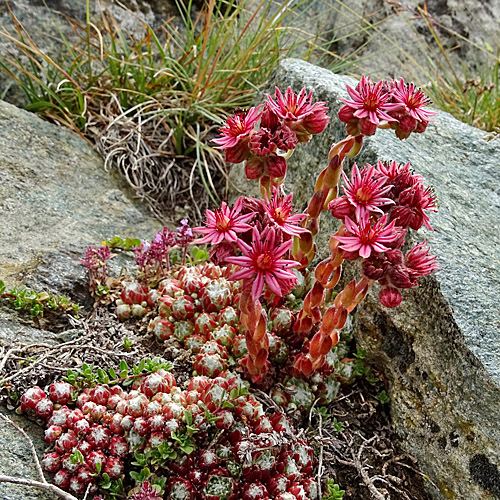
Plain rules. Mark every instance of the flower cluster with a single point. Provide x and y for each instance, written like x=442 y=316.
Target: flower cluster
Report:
x=401 y=106
x=379 y=205
x=96 y=432
x=95 y=262
x=153 y=258
x=263 y=234
x=284 y=121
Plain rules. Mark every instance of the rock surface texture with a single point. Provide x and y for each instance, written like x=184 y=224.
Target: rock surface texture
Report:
x=56 y=199
x=391 y=39
x=440 y=350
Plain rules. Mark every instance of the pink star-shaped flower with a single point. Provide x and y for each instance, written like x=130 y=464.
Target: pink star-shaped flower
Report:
x=224 y=224
x=410 y=99
x=365 y=238
x=298 y=111
x=280 y=210
x=262 y=262
x=237 y=127
x=365 y=192
x=369 y=105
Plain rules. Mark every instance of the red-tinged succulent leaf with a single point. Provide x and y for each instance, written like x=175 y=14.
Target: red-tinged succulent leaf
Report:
x=52 y=433
x=96 y=457
x=44 y=408
x=60 y=392
x=277 y=484
x=51 y=462
x=134 y=293
x=61 y=479
x=100 y=394
x=255 y=491
x=31 y=397
x=118 y=447
x=114 y=467
x=99 y=436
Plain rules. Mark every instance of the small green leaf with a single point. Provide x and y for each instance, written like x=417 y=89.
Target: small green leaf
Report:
x=105 y=480
x=135 y=476
x=360 y=353
x=334 y=491
x=102 y=376
x=123 y=368
x=131 y=243
x=77 y=457
x=116 y=241
x=383 y=397
x=187 y=448
x=188 y=417
x=339 y=426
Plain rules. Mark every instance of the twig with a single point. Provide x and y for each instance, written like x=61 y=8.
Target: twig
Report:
x=6 y=357
x=87 y=491
x=37 y=484
x=24 y=370
x=43 y=484
x=268 y=399
x=362 y=471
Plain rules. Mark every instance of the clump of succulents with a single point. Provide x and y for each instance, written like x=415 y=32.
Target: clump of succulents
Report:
x=266 y=247
x=208 y=441
x=198 y=308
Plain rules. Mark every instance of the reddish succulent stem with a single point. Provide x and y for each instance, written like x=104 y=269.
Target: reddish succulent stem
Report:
x=254 y=320
x=326 y=275
x=325 y=190
x=332 y=323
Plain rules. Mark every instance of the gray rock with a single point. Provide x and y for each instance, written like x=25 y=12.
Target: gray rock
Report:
x=16 y=458
x=440 y=349
x=56 y=199
x=12 y=332
x=391 y=39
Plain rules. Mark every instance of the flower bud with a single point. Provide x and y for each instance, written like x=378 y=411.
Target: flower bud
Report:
x=340 y=208
x=390 y=297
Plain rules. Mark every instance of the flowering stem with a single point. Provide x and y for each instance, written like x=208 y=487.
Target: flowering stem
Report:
x=332 y=323
x=325 y=190
x=326 y=276
x=265 y=187
x=254 y=320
